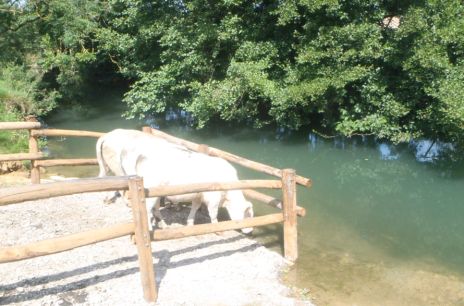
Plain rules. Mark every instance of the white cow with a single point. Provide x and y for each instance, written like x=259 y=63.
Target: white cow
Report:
x=117 y=152
x=160 y=163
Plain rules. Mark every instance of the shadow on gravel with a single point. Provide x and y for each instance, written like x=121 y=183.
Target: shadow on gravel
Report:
x=19 y=292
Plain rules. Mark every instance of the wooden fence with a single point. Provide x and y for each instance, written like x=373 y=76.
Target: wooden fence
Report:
x=37 y=158
x=137 y=194
x=139 y=226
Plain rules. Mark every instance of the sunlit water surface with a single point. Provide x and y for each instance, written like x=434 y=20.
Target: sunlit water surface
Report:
x=384 y=224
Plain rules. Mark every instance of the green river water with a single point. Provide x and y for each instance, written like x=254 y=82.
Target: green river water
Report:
x=384 y=224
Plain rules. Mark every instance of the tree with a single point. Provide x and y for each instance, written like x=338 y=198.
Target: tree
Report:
x=428 y=51
x=335 y=65
x=328 y=63
x=48 y=50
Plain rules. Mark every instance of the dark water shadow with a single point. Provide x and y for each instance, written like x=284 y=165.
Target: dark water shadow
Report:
x=270 y=236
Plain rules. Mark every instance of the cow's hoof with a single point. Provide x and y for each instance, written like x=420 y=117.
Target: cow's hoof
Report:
x=107 y=201
x=247 y=231
x=122 y=201
x=162 y=224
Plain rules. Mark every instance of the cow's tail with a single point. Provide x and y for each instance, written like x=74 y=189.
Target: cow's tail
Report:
x=101 y=162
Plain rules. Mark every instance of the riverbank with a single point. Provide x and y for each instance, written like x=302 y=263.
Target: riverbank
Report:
x=205 y=270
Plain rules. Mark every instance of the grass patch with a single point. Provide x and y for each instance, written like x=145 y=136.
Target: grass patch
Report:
x=21 y=94
x=15 y=141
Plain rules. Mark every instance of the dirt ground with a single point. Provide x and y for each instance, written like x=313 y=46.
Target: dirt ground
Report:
x=231 y=269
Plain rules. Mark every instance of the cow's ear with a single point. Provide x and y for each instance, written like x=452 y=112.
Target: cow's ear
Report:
x=249 y=212
x=249 y=205
x=225 y=203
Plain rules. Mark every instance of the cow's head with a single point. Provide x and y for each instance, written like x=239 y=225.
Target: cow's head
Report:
x=238 y=210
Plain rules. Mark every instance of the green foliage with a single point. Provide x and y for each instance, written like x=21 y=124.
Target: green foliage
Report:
x=245 y=92
x=53 y=44
x=335 y=65
x=327 y=63
x=16 y=37
x=22 y=91
x=430 y=48
x=11 y=141
x=67 y=38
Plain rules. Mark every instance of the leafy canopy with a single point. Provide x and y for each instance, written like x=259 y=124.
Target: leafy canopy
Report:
x=392 y=69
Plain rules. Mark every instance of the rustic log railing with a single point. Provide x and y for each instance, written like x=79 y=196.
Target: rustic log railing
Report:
x=38 y=158
x=255 y=195
x=139 y=226
x=137 y=194
x=202 y=148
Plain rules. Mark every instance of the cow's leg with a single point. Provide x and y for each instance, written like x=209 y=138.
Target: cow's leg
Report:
x=196 y=204
x=213 y=201
x=153 y=205
x=124 y=198
x=213 y=213
x=150 y=204
x=177 y=206
x=103 y=170
x=213 y=206
x=110 y=200
x=213 y=209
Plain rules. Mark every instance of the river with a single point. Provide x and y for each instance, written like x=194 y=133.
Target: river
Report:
x=384 y=223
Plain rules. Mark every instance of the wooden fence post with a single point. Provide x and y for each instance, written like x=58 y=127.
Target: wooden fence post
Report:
x=33 y=148
x=290 y=214
x=142 y=238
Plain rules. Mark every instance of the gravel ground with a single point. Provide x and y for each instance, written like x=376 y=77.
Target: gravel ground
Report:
x=205 y=270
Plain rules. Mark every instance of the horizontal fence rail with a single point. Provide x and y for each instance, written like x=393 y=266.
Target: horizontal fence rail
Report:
x=160 y=191
x=21 y=156
x=65 y=243
x=271 y=201
x=228 y=156
x=201 y=229
x=64 y=133
x=19 y=125
x=42 y=191
x=67 y=162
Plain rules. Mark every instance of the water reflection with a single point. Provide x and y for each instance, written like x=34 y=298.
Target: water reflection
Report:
x=389 y=216
x=386 y=152
x=312 y=139
x=429 y=151
x=384 y=222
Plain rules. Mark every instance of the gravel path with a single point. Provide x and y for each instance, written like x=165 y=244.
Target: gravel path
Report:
x=203 y=270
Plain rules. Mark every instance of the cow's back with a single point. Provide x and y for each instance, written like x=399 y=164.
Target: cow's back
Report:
x=122 y=148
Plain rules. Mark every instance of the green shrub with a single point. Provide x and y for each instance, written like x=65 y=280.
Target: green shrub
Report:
x=22 y=93
x=14 y=141
x=22 y=90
